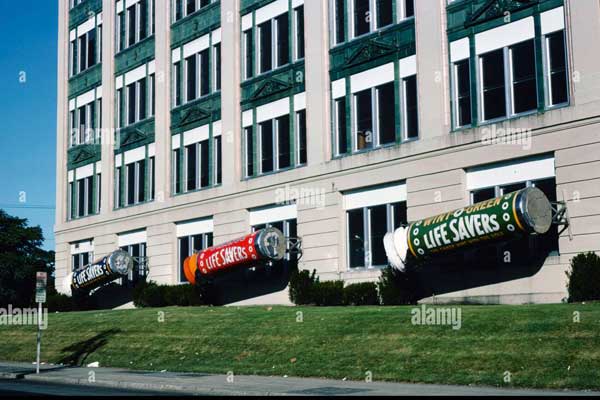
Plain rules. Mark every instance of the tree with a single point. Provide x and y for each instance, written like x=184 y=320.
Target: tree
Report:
x=21 y=256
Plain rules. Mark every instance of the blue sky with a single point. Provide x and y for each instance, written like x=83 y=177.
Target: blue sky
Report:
x=28 y=31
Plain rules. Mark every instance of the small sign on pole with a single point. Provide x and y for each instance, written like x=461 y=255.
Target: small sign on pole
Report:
x=41 y=282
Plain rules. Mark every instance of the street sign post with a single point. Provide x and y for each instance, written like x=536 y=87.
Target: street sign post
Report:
x=41 y=282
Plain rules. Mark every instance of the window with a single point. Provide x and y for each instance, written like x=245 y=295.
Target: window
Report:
x=556 y=68
x=524 y=93
x=385 y=12
x=190 y=78
x=274 y=44
x=84 y=199
x=85 y=51
x=137 y=96
x=266 y=147
x=189 y=245
x=411 y=111
x=248 y=44
x=266 y=48
x=283 y=43
x=139 y=270
x=408 y=8
x=79 y=258
x=462 y=93
x=340 y=126
x=375 y=117
x=366 y=229
x=368 y=16
x=177 y=83
x=520 y=95
x=521 y=250
x=197 y=75
x=362 y=17
x=299 y=20
x=339 y=12
x=194 y=168
x=494 y=96
x=183 y=8
x=249 y=146
x=289 y=229
x=134 y=24
x=138 y=183
x=84 y=123
x=301 y=128
x=217 y=67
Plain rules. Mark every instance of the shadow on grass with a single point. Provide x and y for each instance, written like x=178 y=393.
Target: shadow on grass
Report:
x=80 y=351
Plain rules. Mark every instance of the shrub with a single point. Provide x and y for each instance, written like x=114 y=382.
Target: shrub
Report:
x=301 y=286
x=59 y=302
x=361 y=294
x=396 y=287
x=584 y=277
x=150 y=294
x=329 y=293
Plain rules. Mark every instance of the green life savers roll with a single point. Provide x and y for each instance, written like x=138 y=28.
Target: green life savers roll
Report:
x=510 y=216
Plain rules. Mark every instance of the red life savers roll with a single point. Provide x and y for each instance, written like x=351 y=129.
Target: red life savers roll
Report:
x=260 y=246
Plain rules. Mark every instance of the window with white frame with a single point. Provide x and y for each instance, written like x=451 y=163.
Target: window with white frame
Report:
x=197 y=68
x=283 y=218
x=462 y=93
x=277 y=141
x=555 y=56
x=85 y=118
x=375 y=104
x=355 y=18
x=84 y=191
x=192 y=237
x=135 y=177
x=136 y=95
x=488 y=182
x=279 y=37
x=82 y=254
x=134 y=243
x=135 y=22
x=183 y=8
x=85 y=45
x=73 y=3
x=197 y=159
x=370 y=214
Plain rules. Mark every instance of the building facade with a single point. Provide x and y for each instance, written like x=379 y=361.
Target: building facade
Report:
x=187 y=123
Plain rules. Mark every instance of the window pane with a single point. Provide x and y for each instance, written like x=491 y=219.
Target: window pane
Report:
x=385 y=12
x=82 y=53
x=266 y=138
x=191 y=77
x=506 y=189
x=400 y=214
x=131 y=23
x=177 y=83
x=143 y=95
x=219 y=162
x=204 y=163
x=248 y=132
x=340 y=21
x=483 y=194
x=557 y=67
x=249 y=50
x=177 y=170
x=283 y=40
x=91 y=52
x=178 y=9
x=378 y=230
x=184 y=250
x=387 y=113
x=364 y=120
x=217 y=67
x=283 y=139
x=524 y=87
x=130 y=184
x=191 y=166
x=190 y=7
x=143 y=18
x=342 y=138
x=141 y=181
x=411 y=108
x=90 y=195
x=204 y=73
x=494 y=96
x=81 y=197
x=300 y=32
x=302 y=136
x=549 y=241
x=409 y=8
x=362 y=17
x=356 y=238
x=266 y=47
x=131 y=99
x=463 y=93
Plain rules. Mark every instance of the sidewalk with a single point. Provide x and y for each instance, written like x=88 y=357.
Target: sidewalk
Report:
x=205 y=384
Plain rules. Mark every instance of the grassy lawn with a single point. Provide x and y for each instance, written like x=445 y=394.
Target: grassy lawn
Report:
x=539 y=345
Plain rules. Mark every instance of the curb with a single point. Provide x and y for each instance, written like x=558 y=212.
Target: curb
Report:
x=187 y=389
x=12 y=375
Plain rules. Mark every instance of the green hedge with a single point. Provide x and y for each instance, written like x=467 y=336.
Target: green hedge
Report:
x=584 y=278
x=306 y=289
x=150 y=294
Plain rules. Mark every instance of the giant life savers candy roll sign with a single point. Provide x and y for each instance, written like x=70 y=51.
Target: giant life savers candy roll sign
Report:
x=258 y=247
x=519 y=213
x=107 y=269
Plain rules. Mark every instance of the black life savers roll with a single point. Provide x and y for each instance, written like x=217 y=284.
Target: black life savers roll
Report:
x=109 y=268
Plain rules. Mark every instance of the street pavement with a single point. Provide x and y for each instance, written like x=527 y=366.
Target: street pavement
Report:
x=68 y=379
